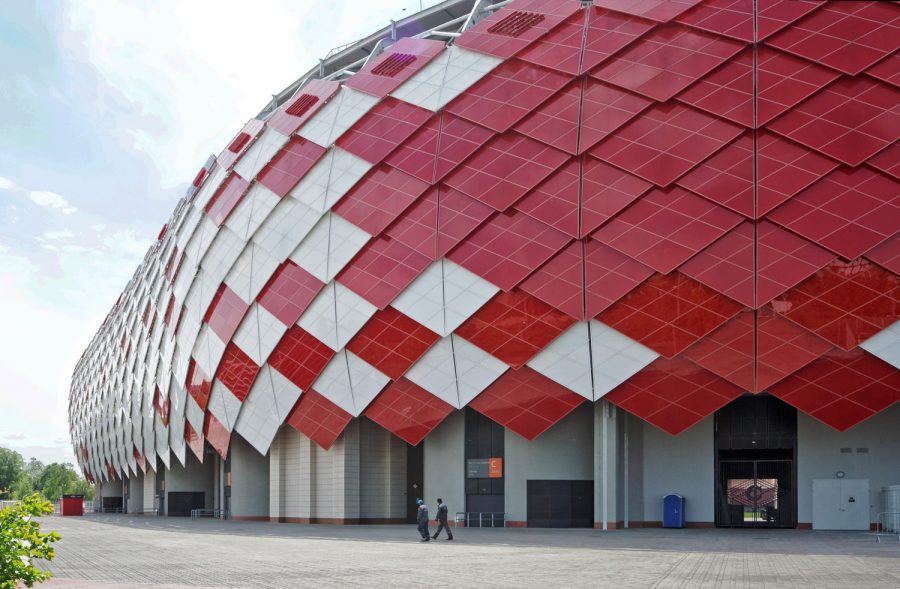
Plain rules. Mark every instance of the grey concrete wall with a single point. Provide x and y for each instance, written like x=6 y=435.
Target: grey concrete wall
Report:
x=149 y=491
x=633 y=468
x=111 y=488
x=445 y=458
x=382 y=473
x=136 y=494
x=682 y=464
x=819 y=456
x=193 y=476
x=563 y=452
x=249 y=480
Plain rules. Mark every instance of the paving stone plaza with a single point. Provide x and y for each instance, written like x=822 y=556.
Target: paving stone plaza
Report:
x=112 y=551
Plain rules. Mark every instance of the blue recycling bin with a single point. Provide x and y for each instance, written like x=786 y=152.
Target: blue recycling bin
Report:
x=673 y=511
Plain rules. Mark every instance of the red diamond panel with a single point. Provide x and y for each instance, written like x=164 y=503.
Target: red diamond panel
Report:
x=673 y=394
x=846 y=36
x=193 y=440
x=216 y=434
x=289 y=292
x=669 y=313
x=782 y=81
x=850 y=211
x=508 y=248
x=734 y=18
x=408 y=411
x=514 y=326
x=198 y=384
x=237 y=371
x=438 y=147
x=392 y=342
x=582 y=115
x=887 y=70
x=666 y=61
x=560 y=282
x=382 y=270
x=609 y=275
x=887 y=254
x=508 y=41
x=556 y=200
x=504 y=170
x=526 y=402
x=665 y=142
x=666 y=227
x=300 y=357
x=226 y=198
x=842 y=389
x=782 y=348
x=379 y=198
x=374 y=79
x=658 y=10
x=290 y=165
x=227 y=157
x=507 y=94
x=887 y=160
x=851 y=120
x=388 y=124
x=318 y=419
x=846 y=302
x=287 y=124
x=225 y=313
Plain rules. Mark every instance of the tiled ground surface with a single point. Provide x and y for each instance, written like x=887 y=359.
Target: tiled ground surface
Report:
x=119 y=551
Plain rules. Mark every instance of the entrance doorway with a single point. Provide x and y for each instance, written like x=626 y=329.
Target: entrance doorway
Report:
x=415 y=477
x=560 y=504
x=755 y=443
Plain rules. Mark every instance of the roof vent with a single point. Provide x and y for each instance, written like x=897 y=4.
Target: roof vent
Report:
x=393 y=65
x=239 y=142
x=516 y=23
x=303 y=103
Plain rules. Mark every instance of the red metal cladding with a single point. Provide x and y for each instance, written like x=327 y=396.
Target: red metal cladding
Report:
x=290 y=165
x=756 y=352
x=736 y=19
x=507 y=248
x=161 y=404
x=514 y=326
x=388 y=124
x=392 y=342
x=609 y=275
x=382 y=269
x=217 y=435
x=887 y=160
x=379 y=198
x=673 y=394
x=309 y=99
x=226 y=198
x=289 y=292
x=666 y=227
x=237 y=371
x=198 y=384
x=842 y=388
x=669 y=313
x=560 y=282
x=239 y=143
x=408 y=411
x=300 y=357
x=887 y=254
x=526 y=402
x=846 y=36
x=318 y=419
x=507 y=32
x=194 y=440
x=887 y=70
x=504 y=170
x=225 y=312
x=657 y=10
x=398 y=63
x=512 y=90
x=845 y=303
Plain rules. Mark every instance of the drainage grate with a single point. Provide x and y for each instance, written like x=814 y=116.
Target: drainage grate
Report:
x=303 y=103
x=516 y=23
x=239 y=142
x=393 y=65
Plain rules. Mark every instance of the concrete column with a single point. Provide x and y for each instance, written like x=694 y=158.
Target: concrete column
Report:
x=149 y=492
x=606 y=466
x=445 y=463
x=249 y=481
x=135 y=494
x=275 y=479
x=382 y=475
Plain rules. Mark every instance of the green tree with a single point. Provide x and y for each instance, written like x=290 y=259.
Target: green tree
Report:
x=59 y=479
x=21 y=541
x=23 y=487
x=11 y=465
x=34 y=468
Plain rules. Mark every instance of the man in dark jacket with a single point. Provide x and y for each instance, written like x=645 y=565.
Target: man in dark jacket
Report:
x=442 y=520
x=422 y=520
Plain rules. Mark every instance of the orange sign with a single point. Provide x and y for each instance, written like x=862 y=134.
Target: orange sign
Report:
x=495 y=468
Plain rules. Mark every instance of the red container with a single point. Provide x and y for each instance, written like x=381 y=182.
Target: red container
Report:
x=71 y=505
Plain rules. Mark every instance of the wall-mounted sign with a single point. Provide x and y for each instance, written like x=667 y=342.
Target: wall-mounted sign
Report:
x=484 y=468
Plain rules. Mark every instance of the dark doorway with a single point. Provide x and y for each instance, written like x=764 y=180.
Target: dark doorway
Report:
x=415 y=477
x=182 y=502
x=111 y=504
x=756 y=439
x=485 y=495
x=560 y=504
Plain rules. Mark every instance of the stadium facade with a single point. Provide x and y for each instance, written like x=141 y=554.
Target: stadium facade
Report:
x=549 y=260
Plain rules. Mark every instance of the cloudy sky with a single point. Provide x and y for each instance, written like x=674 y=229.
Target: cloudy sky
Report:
x=107 y=110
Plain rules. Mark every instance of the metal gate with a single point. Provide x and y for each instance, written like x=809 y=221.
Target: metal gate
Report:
x=756 y=493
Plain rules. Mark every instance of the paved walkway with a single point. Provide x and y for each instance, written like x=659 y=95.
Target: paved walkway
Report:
x=123 y=551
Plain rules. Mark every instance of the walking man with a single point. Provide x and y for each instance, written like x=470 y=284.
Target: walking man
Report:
x=442 y=520
x=422 y=520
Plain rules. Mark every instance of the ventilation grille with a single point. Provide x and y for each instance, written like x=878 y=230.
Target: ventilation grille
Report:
x=302 y=104
x=198 y=179
x=239 y=142
x=393 y=65
x=516 y=23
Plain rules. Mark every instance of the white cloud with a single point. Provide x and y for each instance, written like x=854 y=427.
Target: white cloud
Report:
x=51 y=200
x=6 y=184
x=61 y=235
